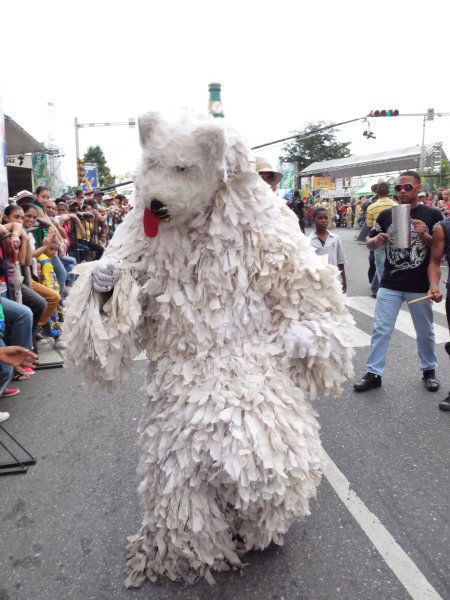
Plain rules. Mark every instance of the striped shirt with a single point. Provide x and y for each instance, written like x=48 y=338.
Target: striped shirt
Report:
x=376 y=208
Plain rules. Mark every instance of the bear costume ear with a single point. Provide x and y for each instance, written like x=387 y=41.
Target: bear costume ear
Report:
x=211 y=139
x=147 y=125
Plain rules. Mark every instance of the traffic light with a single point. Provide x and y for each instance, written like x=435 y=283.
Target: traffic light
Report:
x=80 y=170
x=384 y=113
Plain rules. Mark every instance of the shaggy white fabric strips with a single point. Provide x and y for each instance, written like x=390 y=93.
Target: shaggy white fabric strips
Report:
x=242 y=323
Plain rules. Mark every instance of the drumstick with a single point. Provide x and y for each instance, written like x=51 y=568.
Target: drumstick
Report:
x=420 y=299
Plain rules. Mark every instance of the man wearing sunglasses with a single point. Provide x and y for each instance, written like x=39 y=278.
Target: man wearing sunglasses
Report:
x=404 y=278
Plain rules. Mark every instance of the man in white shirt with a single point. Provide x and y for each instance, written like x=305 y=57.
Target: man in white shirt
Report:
x=328 y=244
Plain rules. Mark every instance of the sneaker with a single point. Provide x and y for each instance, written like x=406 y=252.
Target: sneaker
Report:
x=4 y=416
x=445 y=404
x=430 y=381
x=10 y=392
x=369 y=381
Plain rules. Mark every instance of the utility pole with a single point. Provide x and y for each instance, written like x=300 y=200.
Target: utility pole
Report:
x=77 y=144
x=131 y=123
x=423 y=152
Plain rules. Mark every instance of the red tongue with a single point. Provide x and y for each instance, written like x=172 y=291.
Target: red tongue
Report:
x=151 y=222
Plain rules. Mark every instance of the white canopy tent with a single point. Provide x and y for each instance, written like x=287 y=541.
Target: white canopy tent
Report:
x=379 y=162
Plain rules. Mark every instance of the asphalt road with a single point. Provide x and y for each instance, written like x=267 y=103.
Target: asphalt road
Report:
x=63 y=525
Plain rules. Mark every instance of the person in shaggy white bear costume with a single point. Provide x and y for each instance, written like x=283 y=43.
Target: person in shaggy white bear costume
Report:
x=242 y=324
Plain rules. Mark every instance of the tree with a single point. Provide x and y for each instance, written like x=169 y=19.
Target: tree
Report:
x=440 y=180
x=444 y=175
x=317 y=147
x=94 y=155
x=71 y=189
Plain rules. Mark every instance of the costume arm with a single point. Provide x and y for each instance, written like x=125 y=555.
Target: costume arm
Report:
x=308 y=311
x=104 y=333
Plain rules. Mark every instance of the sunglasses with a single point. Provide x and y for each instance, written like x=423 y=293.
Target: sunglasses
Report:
x=408 y=187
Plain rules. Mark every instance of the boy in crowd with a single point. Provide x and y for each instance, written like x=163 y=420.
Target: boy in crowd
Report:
x=49 y=279
x=326 y=243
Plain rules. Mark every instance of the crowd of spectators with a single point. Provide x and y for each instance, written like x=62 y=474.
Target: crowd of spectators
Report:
x=42 y=240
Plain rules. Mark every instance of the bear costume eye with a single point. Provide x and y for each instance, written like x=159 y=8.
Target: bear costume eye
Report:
x=181 y=169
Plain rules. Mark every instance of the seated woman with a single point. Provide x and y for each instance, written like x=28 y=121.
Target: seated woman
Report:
x=16 y=320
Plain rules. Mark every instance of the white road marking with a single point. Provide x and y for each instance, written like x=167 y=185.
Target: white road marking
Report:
x=404 y=323
x=413 y=580
x=439 y=307
x=359 y=338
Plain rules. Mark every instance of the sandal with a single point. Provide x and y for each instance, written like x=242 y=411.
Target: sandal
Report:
x=26 y=374
x=21 y=377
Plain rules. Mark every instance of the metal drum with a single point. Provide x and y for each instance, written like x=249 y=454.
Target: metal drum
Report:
x=401 y=226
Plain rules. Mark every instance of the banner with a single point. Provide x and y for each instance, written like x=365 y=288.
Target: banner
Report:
x=90 y=178
x=3 y=169
x=320 y=183
x=39 y=162
x=288 y=180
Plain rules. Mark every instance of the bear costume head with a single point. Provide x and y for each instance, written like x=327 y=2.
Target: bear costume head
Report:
x=191 y=154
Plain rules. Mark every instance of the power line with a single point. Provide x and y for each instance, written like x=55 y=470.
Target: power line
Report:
x=308 y=134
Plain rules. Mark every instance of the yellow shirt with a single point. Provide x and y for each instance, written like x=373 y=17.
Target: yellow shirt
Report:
x=88 y=227
x=48 y=277
x=376 y=208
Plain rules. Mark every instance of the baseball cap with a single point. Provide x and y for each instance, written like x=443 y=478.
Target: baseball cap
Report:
x=421 y=195
x=25 y=194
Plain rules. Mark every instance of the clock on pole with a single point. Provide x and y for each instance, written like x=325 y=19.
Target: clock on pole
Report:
x=215 y=107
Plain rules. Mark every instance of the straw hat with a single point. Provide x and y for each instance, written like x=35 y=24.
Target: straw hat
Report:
x=262 y=165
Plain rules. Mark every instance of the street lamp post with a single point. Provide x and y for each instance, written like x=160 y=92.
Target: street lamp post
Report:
x=131 y=123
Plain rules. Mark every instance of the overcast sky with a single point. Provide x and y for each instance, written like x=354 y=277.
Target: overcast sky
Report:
x=281 y=64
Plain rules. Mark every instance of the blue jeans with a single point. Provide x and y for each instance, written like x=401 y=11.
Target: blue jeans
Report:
x=5 y=370
x=69 y=263
x=375 y=283
x=61 y=274
x=19 y=323
x=380 y=256
x=387 y=308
